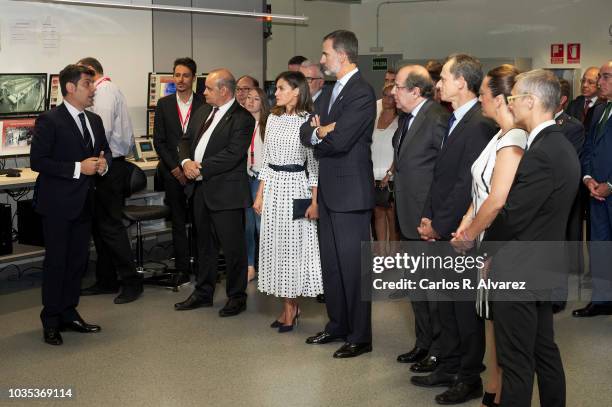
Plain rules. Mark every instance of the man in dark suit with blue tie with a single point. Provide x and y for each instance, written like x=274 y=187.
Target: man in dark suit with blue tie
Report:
x=69 y=149
x=596 y=173
x=462 y=332
x=341 y=134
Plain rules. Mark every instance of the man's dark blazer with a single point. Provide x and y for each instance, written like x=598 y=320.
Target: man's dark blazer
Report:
x=346 y=178
x=597 y=152
x=573 y=130
x=224 y=178
x=575 y=108
x=543 y=191
x=414 y=163
x=168 y=132
x=450 y=194
x=56 y=146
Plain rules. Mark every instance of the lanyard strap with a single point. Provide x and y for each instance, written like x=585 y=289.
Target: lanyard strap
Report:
x=104 y=79
x=183 y=122
x=253 y=145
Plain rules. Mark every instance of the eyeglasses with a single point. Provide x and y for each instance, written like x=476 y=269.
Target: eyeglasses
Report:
x=605 y=76
x=396 y=86
x=588 y=81
x=510 y=99
x=310 y=78
x=243 y=89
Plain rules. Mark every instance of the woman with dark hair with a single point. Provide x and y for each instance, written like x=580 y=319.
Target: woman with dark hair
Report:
x=256 y=103
x=289 y=262
x=492 y=176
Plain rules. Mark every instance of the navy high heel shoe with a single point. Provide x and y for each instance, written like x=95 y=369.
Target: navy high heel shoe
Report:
x=288 y=328
x=276 y=324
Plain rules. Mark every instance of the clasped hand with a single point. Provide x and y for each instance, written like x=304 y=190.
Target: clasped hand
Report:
x=192 y=169
x=599 y=191
x=323 y=130
x=93 y=165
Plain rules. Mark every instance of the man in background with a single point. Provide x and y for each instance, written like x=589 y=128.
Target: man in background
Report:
x=244 y=85
x=114 y=253
x=580 y=107
x=295 y=62
x=314 y=76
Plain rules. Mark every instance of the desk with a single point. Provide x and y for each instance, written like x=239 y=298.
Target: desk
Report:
x=28 y=177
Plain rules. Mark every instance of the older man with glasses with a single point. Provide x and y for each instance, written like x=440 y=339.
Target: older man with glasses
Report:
x=314 y=75
x=588 y=99
x=244 y=85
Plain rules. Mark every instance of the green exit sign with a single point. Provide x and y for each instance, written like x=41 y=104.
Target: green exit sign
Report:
x=379 y=64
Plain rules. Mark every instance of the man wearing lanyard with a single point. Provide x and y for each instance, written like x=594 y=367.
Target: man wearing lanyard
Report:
x=172 y=118
x=114 y=253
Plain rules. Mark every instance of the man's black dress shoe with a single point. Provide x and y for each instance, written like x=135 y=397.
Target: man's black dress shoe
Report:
x=232 y=307
x=435 y=379
x=323 y=338
x=415 y=355
x=129 y=293
x=97 y=290
x=321 y=298
x=52 y=336
x=592 y=310
x=193 y=302
x=429 y=364
x=350 y=350
x=80 y=326
x=460 y=392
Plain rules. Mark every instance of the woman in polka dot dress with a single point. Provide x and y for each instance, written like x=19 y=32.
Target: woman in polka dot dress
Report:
x=289 y=262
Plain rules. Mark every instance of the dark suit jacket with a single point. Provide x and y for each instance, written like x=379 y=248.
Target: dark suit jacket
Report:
x=414 y=163
x=346 y=178
x=575 y=108
x=573 y=131
x=56 y=146
x=168 y=132
x=450 y=193
x=225 y=182
x=537 y=210
x=597 y=152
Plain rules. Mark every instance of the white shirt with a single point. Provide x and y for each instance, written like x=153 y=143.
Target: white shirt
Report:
x=111 y=106
x=74 y=112
x=592 y=101
x=254 y=163
x=201 y=147
x=460 y=112
x=537 y=131
x=382 y=148
x=416 y=111
x=316 y=95
x=184 y=109
x=341 y=83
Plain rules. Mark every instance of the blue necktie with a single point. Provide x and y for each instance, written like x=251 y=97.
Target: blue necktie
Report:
x=451 y=121
x=334 y=95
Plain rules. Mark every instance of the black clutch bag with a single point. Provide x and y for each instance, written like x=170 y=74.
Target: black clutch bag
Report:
x=300 y=206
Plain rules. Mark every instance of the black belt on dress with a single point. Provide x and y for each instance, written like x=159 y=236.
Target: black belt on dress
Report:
x=287 y=168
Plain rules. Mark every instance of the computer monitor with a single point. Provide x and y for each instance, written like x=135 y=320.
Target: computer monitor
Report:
x=162 y=84
x=55 y=92
x=22 y=93
x=144 y=150
x=16 y=135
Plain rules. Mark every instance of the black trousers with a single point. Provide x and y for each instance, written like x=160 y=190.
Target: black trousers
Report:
x=462 y=340
x=340 y=237
x=525 y=345
x=179 y=210
x=224 y=229
x=426 y=320
x=114 y=252
x=66 y=260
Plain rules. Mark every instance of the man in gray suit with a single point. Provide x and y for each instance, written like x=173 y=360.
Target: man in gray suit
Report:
x=416 y=144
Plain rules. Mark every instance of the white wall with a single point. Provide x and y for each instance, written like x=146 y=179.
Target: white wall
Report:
x=488 y=28
x=290 y=39
x=119 y=39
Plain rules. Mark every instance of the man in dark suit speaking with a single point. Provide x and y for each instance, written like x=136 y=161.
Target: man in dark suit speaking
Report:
x=216 y=162
x=69 y=149
x=537 y=209
x=341 y=133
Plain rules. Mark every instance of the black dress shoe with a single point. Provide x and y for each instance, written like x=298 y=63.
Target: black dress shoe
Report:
x=435 y=379
x=52 y=336
x=415 y=355
x=232 y=308
x=80 y=326
x=460 y=392
x=351 y=350
x=429 y=364
x=129 y=293
x=592 y=310
x=193 y=302
x=97 y=290
x=323 y=338
x=321 y=298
